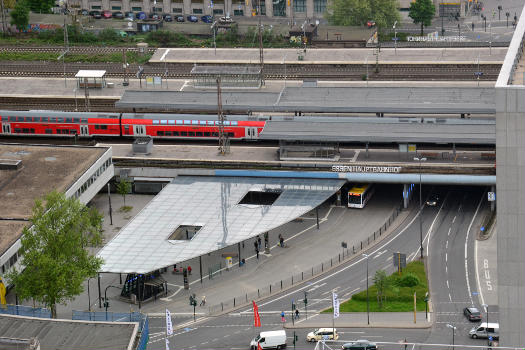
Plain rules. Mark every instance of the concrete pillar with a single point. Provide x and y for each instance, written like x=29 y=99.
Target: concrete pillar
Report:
x=146 y=6
x=406 y=196
x=85 y=5
x=126 y=6
x=309 y=8
x=207 y=10
x=269 y=8
x=105 y=5
x=186 y=7
x=248 y=7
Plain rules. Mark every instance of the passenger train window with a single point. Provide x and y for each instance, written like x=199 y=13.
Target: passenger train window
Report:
x=234 y=123
x=25 y=130
x=160 y=133
x=175 y=133
x=68 y=120
x=76 y=120
x=19 y=119
x=230 y=134
x=207 y=134
x=97 y=127
x=45 y=119
x=209 y=122
x=11 y=119
x=168 y=133
x=83 y=120
x=104 y=127
x=178 y=122
x=171 y=122
x=191 y=133
x=49 y=131
x=4 y=119
x=199 y=133
x=72 y=131
x=32 y=131
x=53 y=119
x=202 y=122
x=18 y=130
x=155 y=122
x=187 y=122
x=60 y=120
x=183 y=133
x=164 y=122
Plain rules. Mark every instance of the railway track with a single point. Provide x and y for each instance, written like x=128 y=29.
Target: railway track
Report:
x=58 y=104
x=272 y=71
x=72 y=49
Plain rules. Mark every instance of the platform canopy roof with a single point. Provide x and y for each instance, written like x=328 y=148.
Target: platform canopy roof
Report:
x=405 y=100
x=90 y=73
x=213 y=205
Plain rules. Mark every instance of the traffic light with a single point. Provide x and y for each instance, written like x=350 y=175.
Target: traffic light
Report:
x=193 y=301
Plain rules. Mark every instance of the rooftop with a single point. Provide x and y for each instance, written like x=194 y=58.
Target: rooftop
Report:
x=193 y=216
x=67 y=334
x=90 y=74
x=43 y=169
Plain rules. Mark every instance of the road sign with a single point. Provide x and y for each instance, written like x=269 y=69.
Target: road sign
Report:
x=400 y=258
x=491 y=196
x=395 y=39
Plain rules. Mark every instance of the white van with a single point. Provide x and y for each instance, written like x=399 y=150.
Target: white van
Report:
x=485 y=330
x=270 y=340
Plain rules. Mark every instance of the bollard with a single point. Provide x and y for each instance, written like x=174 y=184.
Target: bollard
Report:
x=258 y=294
x=270 y=289
x=302 y=276
x=322 y=267
x=222 y=306
x=281 y=284
x=331 y=264
x=361 y=245
x=340 y=256
x=312 y=271
x=233 y=302
x=374 y=236
x=353 y=249
x=292 y=280
x=246 y=297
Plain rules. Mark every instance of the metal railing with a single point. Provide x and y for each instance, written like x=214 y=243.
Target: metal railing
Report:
x=314 y=271
x=28 y=311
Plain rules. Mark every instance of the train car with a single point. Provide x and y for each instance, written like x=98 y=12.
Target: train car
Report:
x=162 y=126
x=53 y=123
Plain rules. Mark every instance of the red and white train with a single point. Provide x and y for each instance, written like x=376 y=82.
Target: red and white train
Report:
x=162 y=126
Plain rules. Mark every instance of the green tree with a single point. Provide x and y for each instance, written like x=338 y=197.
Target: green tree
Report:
x=123 y=188
x=381 y=283
x=422 y=11
x=40 y=6
x=54 y=259
x=359 y=12
x=20 y=15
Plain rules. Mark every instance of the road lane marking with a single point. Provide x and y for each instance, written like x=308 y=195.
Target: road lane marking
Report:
x=449 y=297
x=354 y=158
x=454 y=220
x=446 y=245
x=448 y=286
x=466 y=250
x=449 y=229
x=446 y=256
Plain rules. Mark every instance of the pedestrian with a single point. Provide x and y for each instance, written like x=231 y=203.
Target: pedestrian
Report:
x=259 y=242
x=282 y=317
x=189 y=270
x=203 y=301
x=257 y=253
x=296 y=314
x=281 y=240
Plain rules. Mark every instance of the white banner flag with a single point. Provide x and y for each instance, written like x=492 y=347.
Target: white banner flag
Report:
x=335 y=301
x=169 y=326
x=167 y=344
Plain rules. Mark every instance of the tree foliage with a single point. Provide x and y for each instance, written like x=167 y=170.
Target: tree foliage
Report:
x=54 y=256
x=20 y=15
x=359 y=12
x=381 y=283
x=123 y=188
x=40 y=6
x=422 y=11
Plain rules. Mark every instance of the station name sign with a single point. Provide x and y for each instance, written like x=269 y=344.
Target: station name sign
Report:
x=365 y=169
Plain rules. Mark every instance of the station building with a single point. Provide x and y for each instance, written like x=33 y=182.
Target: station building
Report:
x=299 y=9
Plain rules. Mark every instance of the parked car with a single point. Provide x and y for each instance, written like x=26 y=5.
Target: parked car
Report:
x=472 y=314
x=370 y=24
x=129 y=14
x=192 y=18
x=207 y=19
x=485 y=330
x=141 y=15
x=433 y=200
x=361 y=344
x=179 y=18
x=118 y=15
x=167 y=17
x=322 y=333
x=107 y=14
x=84 y=12
x=154 y=16
x=226 y=20
x=95 y=14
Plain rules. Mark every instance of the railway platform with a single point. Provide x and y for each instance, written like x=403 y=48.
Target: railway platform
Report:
x=435 y=56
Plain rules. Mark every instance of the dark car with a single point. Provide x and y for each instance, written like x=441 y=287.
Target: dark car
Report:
x=472 y=314
x=107 y=14
x=95 y=14
x=433 y=200
x=179 y=18
x=129 y=14
x=84 y=12
x=361 y=344
x=154 y=16
x=141 y=15
x=167 y=17
x=192 y=18
x=207 y=19
x=118 y=15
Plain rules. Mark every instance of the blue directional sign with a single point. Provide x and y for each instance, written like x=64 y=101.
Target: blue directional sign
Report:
x=395 y=39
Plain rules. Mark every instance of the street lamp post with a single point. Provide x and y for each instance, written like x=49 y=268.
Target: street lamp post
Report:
x=420 y=159
x=106 y=302
x=487 y=328
x=507 y=14
x=453 y=333
x=89 y=296
x=395 y=38
x=367 y=300
x=499 y=12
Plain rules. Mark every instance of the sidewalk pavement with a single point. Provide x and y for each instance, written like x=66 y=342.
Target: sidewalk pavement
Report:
x=359 y=320
x=486 y=256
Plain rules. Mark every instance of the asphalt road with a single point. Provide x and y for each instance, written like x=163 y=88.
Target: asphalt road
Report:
x=455 y=211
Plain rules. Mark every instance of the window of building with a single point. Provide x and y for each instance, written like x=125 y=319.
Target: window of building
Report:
x=197 y=11
x=218 y=11
x=299 y=5
x=279 y=8
x=158 y=9
x=261 y=4
x=116 y=8
x=238 y=12
x=136 y=9
x=96 y=7
x=319 y=6
x=177 y=10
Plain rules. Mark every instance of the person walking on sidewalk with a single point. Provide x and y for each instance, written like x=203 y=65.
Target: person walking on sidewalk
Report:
x=296 y=314
x=281 y=240
x=256 y=248
x=203 y=301
x=259 y=242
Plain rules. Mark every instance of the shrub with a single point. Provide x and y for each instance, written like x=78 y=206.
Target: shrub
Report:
x=408 y=280
x=108 y=35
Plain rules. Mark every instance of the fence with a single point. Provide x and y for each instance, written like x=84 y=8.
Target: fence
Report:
x=21 y=310
x=312 y=272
